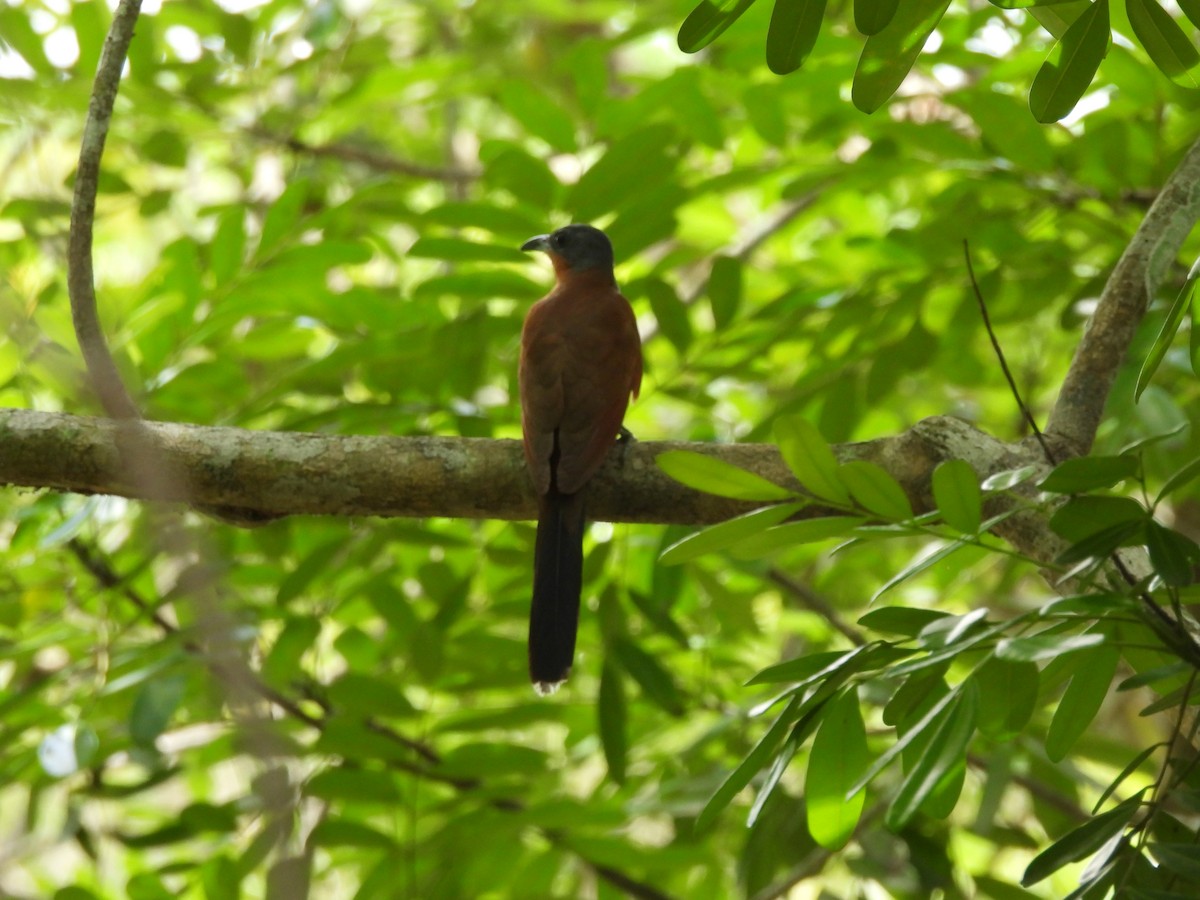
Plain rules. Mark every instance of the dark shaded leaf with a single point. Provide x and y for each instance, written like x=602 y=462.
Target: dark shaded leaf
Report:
x=890 y=53
x=611 y=714
x=792 y=33
x=1081 y=842
x=1058 y=86
x=1164 y=41
x=872 y=16
x=1088 y=473
x=708 y=21
x=1081 y=700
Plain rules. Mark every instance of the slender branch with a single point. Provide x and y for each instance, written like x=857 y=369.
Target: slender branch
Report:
x=816 y=603
x=1134 y=281
x=372 y=159
x=1012 y=383
x=80 y=277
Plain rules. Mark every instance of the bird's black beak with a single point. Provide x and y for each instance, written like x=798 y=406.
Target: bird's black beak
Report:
x=540 y=242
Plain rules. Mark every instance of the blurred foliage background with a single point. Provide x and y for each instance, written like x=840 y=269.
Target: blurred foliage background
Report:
x=309 y=220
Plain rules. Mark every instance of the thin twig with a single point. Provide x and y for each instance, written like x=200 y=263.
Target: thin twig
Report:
x=80 y=277
x=1012 y=383
x=372 y=159
x=816 y=603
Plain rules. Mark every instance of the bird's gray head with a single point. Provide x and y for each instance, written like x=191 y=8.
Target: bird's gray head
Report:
x=574 y=247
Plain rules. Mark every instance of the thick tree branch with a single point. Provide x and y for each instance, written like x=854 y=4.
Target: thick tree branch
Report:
x=1134 y=281
x=80 y=277
x=267 y=473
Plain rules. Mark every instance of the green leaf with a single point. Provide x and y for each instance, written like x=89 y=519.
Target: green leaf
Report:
x=283 y=217
x=1166 y=334
x=1173 y=555
x=811 y=459
x=153 y=708
x=668 y=309
x=956 y=492
x=1133 y=765
x=1089 y=473
x=343 y=784
x=1191 y=9
x=369 y=695
x=793 y=31
x=725 y=289
x=872 y=16
x=754 y=762
x=631 y=166
x=1010 y=478
x=715 y=476
x=1164 y=41
x=1058 y=86
x=459 y=250
x=816 y=667
x=1102 y=543
x=612 y=715
x=903 y=620
x=655 y=681
x=1180 y=859
x=792 y=534
x=725 y=534
x=1081 y=842
x=1008 y=693
x=540 y=115
x=1037 y=647
x=946 y=755
x=875 y=490
x=335 y=831
x=838 y=757
x=1081 y=517
x=1185 y=475
x=228 y=245
x=1082 y=699
x=890 y=53
x=811 y=718
x=905 y=740
x=708 y=21
x=920 y=563
x=1151 y=676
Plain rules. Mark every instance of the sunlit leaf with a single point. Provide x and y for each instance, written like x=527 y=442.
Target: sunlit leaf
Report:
x=726 y=534
x=956 y=492
x=810 y=458
x=876 y=490
x=837 y=759
x=715 y=476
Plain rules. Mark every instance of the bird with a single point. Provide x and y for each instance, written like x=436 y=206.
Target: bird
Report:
x=580 y=364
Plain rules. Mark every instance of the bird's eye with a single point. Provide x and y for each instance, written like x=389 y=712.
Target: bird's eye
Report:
x=557 y=240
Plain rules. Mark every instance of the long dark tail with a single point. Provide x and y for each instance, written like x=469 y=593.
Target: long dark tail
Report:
x=557 y=582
